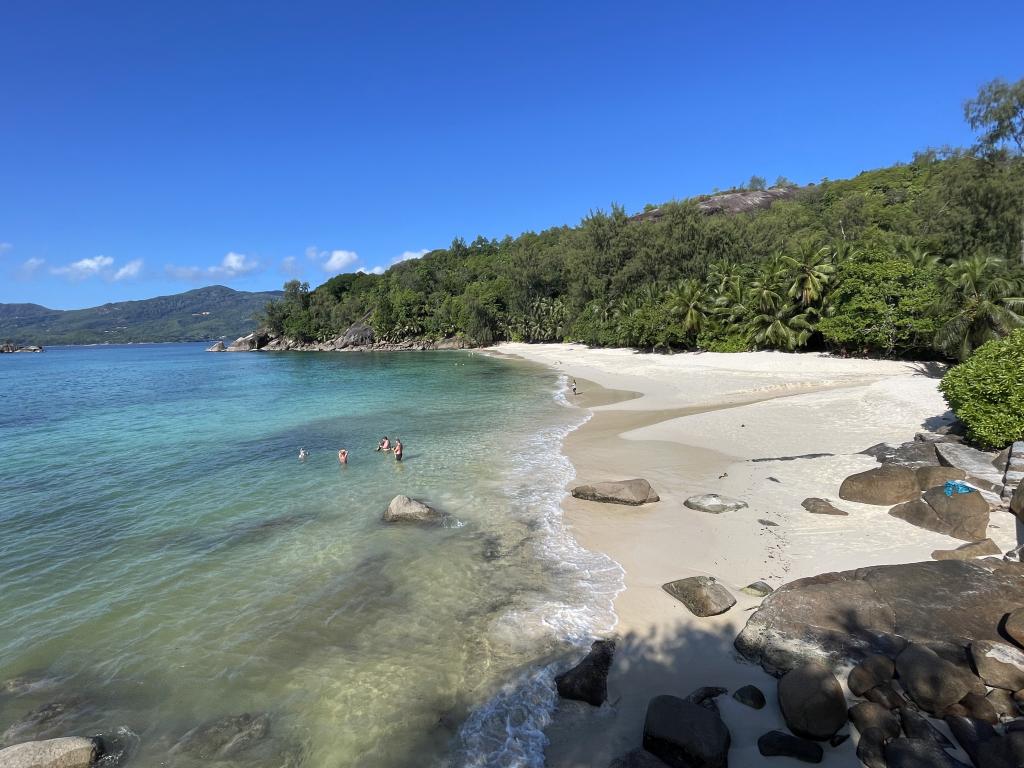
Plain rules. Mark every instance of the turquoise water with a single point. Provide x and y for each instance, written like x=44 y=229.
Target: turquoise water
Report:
x=166 y=559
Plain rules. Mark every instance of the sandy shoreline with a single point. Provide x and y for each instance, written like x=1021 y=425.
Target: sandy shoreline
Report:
x=742 y=425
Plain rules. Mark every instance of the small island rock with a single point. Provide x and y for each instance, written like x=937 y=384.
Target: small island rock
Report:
x=714 y=503
x=217 y=347
x=588 y=680
x=631 y=492
x=703 y=595
x=402 y=509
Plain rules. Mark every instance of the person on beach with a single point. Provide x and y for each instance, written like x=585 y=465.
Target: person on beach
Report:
x=398 y=449
x=574 y=386
x=303 y=454
x=384 y=444
x=343 y=456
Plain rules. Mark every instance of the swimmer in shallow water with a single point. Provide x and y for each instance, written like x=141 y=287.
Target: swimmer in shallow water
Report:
x=398 y=449
x=343 y=456
x=303 y=454
x=384 y=444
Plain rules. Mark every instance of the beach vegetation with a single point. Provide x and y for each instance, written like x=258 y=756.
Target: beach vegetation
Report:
x=987 y=392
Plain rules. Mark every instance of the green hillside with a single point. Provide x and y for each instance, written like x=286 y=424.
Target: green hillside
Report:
x=197 y=315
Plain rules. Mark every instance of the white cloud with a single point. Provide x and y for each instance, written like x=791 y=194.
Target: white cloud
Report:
x=339 y=261
x=407 y=255
x=4 y=247
x=232 y=265
x=290 y=266
x=129 y=270
x=375 y=271
x=83 y=268
x=29 y=267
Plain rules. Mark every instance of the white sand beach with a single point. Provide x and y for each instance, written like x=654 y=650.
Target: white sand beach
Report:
x=769 y=428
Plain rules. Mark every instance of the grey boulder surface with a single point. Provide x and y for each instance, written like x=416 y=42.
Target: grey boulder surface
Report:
x=882 y=486
x=402 y=509
x=588 y=680
x=1000 y=665
x=930 y=477
x=874 y=671
x=703 y=595
x=217 y=347
x=968 y=551
x=685 y=735
x=714 y=503
x=812 y=702
x=975 y=463
x=631 y=492
x=821 y=507
x=846 y=616
x=67 y=752
x=932 y=682
x=963 y=516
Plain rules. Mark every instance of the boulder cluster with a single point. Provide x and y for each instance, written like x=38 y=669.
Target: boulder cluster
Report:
x=359 y=337
x=8 y=347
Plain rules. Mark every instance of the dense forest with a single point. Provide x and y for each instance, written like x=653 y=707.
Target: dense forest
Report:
x=924 y=258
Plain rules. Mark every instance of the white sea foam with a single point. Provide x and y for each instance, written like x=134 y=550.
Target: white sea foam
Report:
x=508 y=730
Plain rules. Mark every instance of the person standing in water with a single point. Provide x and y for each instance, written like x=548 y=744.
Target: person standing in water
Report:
x=343 y=456
x=398 y=449
x=303 y=454
x=574 y=386
x=384 y=444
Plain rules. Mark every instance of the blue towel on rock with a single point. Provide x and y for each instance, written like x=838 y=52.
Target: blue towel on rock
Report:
x=955 y=486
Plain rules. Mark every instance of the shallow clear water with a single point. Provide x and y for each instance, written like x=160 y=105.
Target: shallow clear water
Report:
x=166 y=558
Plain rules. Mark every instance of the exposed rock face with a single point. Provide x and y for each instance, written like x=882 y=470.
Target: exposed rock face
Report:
x=70 y=752
x=867 y=714
x=714 y=503
x=781 y=744
x=1014 y=626
x=588 y=680
x=998 y=664
x=757 y=589
x=888 y=484
x=217 y=347
x=750 y=695
x=975 y=463
x=812 y=702
x=631 y=492
x=875 y=670
x=821 y=507
x=703 y=595
x=847 y=616
x=968 y=551
x=685 y=735
x=255 y=340
x=359 y=334
x=912 y=455
x=932 y=682
x=962 y=515
x=402 y=509
x=930 y=477
x=224 y=737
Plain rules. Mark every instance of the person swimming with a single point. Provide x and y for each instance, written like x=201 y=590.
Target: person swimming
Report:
x=398 y=449
x=384 y=444
x=343 y=456
x=303 y=454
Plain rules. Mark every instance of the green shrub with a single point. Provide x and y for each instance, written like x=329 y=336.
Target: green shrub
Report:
x=987 y=392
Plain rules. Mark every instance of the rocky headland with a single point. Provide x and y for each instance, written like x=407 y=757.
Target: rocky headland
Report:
x=359 y=337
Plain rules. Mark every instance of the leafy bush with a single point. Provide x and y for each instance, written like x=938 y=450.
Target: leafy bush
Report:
x=987 y=392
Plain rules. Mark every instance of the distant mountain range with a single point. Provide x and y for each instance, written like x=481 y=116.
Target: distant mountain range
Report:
x=198 y=315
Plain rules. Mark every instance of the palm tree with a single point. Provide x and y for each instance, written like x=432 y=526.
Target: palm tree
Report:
x=982 y=302
x=782 y=328
x=766 y=287
x=810 y=270
x=689 y=303
x=732 y=304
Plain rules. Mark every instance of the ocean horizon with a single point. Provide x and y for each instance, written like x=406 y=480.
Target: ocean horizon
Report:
x=169 y=561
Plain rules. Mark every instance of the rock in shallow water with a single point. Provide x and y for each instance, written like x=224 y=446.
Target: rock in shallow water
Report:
x=402 y=509
x=631 y=492
x=224 y=737
x=685 y=735
x=588 y=680
x=69 y=752
x=703 y=595
x=812 y=702
x=714 y=503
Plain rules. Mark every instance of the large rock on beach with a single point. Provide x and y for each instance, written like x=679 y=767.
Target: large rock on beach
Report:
x=977 y=464
x=918 y=726
x=968 y=551
x=821 y=507
x=588 y=680
x=402 y=509
x=631 y=492
x=930 y=477
x=1014 y=626
x=812 y=702
x=1000 y=665
x=846 y=616
x=918 y=753
x=875 y=670
x=912 y=455
x=885 y=485
x=714 y=503
x=932 y=682
x=224 y=737
x=963 y=515
x=1017 y=502
x=685 y=735
x=68 y=752
x=781 y=744
x=703 y=595
x=867 y=714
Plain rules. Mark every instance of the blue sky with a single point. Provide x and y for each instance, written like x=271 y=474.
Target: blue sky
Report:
x=147 y=148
